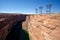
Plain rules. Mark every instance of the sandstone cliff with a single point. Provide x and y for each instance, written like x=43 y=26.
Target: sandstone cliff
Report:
x=44 y=27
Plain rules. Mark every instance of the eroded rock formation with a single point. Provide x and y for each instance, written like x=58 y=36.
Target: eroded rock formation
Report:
x=7 y=22
x=44 y=27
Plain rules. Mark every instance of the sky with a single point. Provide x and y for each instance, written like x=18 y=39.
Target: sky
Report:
x=27 y=6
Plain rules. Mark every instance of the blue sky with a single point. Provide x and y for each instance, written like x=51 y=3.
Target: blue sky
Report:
x=27 y=6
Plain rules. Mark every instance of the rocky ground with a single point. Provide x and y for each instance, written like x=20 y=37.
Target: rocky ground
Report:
x=39 y=27
x=44 y=27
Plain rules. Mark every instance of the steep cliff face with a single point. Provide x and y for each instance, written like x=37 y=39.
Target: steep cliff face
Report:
x=7 y=22
x=44 y=27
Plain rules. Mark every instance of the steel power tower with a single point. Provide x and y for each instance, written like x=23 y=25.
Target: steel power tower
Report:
x=48 y=8
x=36 y=11
x=40 y=10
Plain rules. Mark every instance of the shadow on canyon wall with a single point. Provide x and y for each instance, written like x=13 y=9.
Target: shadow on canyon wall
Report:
x=17 y=33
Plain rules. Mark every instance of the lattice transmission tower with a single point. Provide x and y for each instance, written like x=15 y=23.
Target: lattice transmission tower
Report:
x=36 y=11
x=48 y=8
x=40 y=10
